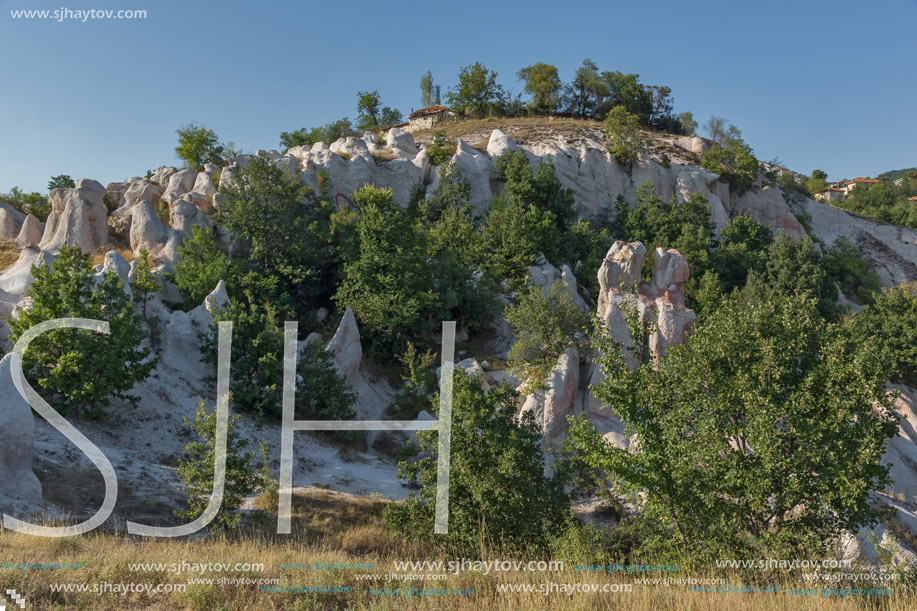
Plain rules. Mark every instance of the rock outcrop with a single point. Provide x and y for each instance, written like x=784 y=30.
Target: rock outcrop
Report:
x=18 y=483
x=78 y=218
x=346 y=349
x=30 y=233
x=147 y=231
x=552 y=406
x=11 y=221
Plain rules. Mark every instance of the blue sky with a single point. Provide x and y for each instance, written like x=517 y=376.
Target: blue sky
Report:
x=828 y=85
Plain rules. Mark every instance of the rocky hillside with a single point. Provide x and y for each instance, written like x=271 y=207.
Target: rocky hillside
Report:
x=144 y=444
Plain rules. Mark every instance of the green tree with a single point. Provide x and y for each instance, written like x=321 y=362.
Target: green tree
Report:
x=429 y=93
x=323 y=394
x=688 y=124
x=200 y=266
x=539 y=188
x=499 y=497
x=851 y=272
x=623 y=131
x=733 y=159
x=760 y=436
x=627 y=91
x=81 y=371
x=743 y=248
x=198 y=145
x=586 y=91
x=543 y=83
x=27 y=203
x=794 y=266
x=513 y=236
x=61 y=182
x=196 y=469
x=385 y=280
x=145 y=282
x=477 y=90
x=545 y=323
x=818 y=182
x=371 y=114
x=892 y=321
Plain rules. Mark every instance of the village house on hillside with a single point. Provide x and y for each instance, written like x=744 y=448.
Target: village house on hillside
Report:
x=841 y=189
x=428 y=117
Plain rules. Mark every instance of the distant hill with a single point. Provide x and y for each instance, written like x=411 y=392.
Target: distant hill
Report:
x=896 y=174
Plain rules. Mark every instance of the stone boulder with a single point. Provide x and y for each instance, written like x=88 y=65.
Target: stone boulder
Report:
x=180 y=182
x=181 y=342
x=479 y=170
x=11 y=221
x=18 y=483
x=399 y=140
x=499 y=143
x=147 y=231
x=78 y=217
x=17 y=278
x=552 y=406
x=546 y=275
x=30 y=233
x=346 y=349
x=184 y=216
x=162 y=175
x=138 y=191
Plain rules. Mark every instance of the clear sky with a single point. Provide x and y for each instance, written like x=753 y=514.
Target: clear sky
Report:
x=817 y=84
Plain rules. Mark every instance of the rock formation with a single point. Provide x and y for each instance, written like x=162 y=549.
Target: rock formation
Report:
x=552 y=406
x=18 y=483
x=78 y=218
x=346 y=349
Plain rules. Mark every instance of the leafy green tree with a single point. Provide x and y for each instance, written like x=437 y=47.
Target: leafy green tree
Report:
x=720 y=130
x=760 y=436
x=627 y=91
x=258 y=309
x=198 y=145
x=688 y=124
x=892 y=321
x=371 y=114
x=623 y=131
x=513 y=236
x=542 y=82
x=794 y=267
x=585 y=244
x=286 y=229
x=61 y=182
x=733 y=160
x=743 y=248
x=818 y=182
x=429 y=93
x=386 y=280
x=28 y=203
x=196 y=469
x=545 y=323
x=323 y=393
x=476 y=92
x=583 y=95
x=145 y=282
x=327 y=133
x=851 y=272
x=81 y=371
x=539 y=188
x=200 y=266
x=499 y=497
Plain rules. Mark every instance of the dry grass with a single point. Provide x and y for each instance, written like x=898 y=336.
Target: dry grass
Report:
x=9 y=254
x=125 y=251
x=334 y=527
x=522 y=129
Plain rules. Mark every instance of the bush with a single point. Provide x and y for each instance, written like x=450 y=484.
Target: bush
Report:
x=439 y=150
x=499 y=497
x=27 y=203
x=892 y=321
x=759 y=437
x=198 y=145
x=79 y=370
x=61 y=182
x=734 y=161
x=196 y=469
x=540 y=188
x=200 y=267
x=513 y=236
x=852 y=273
x=328 y=133
x=545 y=323
x=623 y=130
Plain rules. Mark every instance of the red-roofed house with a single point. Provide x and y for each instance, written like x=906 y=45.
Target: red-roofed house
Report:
x=428 y=117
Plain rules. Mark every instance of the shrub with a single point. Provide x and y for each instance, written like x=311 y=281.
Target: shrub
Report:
x=196 y=469
x=623 y=131
x=198 y=145
x=734 y=161
x=145 y=281
x=760 y=436
x=27 y=203
x=545 y=323
x=499 y=495
x=79 y=370
x=513 y=236
x=851 y=272
x=540 y=188
x=892 y=321
x=200 y=267
x=61 y=182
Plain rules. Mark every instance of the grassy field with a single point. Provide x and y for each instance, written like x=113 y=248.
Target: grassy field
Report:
x=332 y=528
